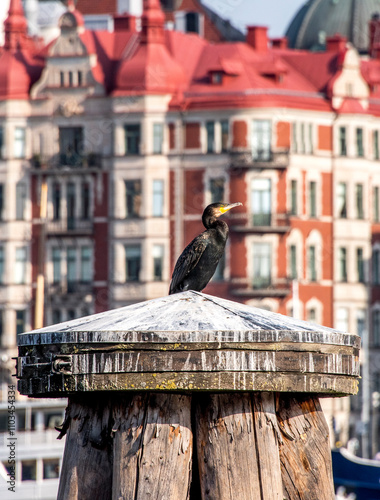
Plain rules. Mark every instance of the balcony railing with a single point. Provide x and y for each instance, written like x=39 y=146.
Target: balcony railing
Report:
x=70 y=225
x=264 y=286
x=67 y=161
x=269 y=160
x=71 y=287
x=265 y=223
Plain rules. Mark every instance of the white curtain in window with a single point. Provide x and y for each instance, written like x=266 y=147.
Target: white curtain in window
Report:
x=19 y=142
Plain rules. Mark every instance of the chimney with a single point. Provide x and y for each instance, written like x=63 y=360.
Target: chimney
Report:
x=336 y=43
x=279 y=43
x=257 y=38
x=374 y=36
x=124 y=22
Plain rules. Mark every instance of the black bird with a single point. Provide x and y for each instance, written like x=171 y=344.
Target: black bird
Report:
x=197 y=263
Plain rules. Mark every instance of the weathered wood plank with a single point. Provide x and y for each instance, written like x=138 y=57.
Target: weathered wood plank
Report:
x=59 y=385
x=210 y=361
x=42 y=351
x=226 y=447
x=304 y=451
x=267 y=437
x=128 y=414
x=195 y=336
x=86 y=468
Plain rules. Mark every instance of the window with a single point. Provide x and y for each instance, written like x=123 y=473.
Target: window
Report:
x=262 y=257
x=71 y=146
x=312 y=315
x=56 y=201
x=360 y=265
x=19 y=142
x=302 y=138
x=342 y=200
x=376 y=267
x=71 y=268
x=80 y=78
x=342 y=141
x=172 y=136
x=20 y=200
x=312 y=264
x=210 y=129
x=71 y=202
x=359 y=142
x=376 y=152
x=217 y=190
x=293 y=262
x=359 y=201
x=1 y=142
x=20 y=321
x=132 y=139
x=313 y=198
x=2 y=202
x=158 y=198
x=132 y=262
x=158 y=137
x=85 y=201
x=133 y=198
x=310 y=141
x=342 y=319
x=71 y=314
x=376 y=213
x=376 y=327
x=360 y=322
x=20 y=265
x=62 y=78
x=192 y=22
x=56 y=255
x=1 y=328
x=261 y=201
x=56 y=316
x=71 y=79
x=86 y=264
x=294 y=138
x=28 y=470
x=224 y=129
x=158 y=262
x=2 y=265
x=51 y=468
x=342 y=264
x=293 y=197
x=261 y=140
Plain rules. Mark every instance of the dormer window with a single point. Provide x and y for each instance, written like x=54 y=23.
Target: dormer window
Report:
x=217 y=77
x=189 y=22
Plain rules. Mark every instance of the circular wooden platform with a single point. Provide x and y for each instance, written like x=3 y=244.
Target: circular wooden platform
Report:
x=187 y=342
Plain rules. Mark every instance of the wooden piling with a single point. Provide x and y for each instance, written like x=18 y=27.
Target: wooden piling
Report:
x=190 y=384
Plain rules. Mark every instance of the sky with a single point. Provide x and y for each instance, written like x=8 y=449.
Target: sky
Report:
x=276 y=14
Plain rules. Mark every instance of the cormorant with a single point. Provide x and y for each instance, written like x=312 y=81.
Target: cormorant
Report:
x=197 y=263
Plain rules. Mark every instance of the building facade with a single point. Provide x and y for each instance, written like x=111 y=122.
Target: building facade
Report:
x=112 y=143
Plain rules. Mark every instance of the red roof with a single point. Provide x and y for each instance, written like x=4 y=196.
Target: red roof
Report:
x=155 y=60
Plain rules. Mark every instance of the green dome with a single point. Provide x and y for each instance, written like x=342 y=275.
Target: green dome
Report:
x=318 y=19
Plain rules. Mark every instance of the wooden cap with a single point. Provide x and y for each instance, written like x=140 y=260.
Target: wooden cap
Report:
x=187 y=342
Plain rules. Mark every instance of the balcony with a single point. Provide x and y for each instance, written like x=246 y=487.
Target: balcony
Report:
x=81 y=288
x=278 y=160
x=63 y=161
x=265 y=223
x=264 y=286
x=70 y=227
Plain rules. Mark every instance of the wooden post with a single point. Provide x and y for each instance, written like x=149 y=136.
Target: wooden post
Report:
x=147 y=380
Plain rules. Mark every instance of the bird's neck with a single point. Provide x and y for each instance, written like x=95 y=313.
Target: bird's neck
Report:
x=220 y=226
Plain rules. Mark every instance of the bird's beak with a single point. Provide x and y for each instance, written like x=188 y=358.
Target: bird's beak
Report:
x=228 y=207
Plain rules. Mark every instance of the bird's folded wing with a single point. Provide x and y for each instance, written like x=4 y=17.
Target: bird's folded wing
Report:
x=188 y=260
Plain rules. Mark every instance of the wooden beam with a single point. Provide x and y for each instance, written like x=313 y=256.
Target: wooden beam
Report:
x=86 y=468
